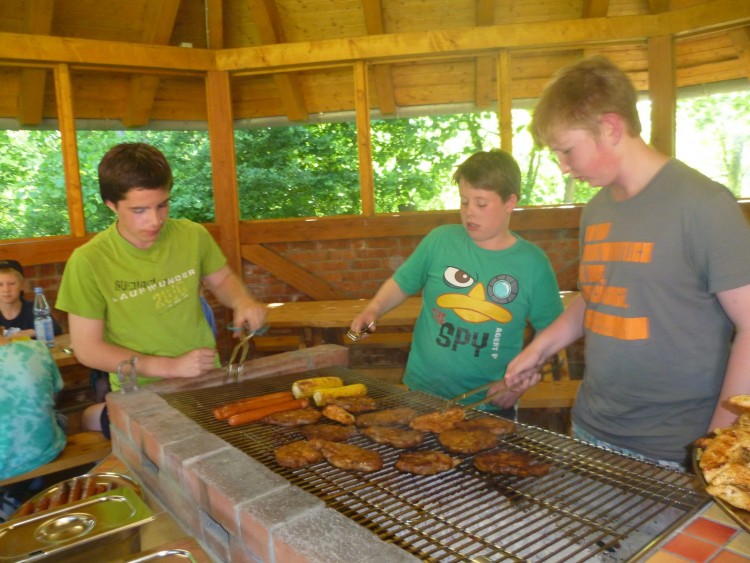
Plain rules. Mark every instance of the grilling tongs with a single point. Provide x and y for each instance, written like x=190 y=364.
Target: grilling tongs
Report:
x=455 y=401
x=241 y=349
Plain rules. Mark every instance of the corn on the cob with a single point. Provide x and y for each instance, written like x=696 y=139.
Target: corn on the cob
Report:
x=303 y=388
x=321 y=396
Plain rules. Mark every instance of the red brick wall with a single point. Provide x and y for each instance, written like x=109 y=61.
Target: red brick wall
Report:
x=360 y=266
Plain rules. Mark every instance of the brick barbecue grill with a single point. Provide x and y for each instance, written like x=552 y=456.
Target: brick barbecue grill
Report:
x=223 y=483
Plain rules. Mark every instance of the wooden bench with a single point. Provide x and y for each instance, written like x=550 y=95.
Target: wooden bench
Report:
x=82 y=448
x=272 y=344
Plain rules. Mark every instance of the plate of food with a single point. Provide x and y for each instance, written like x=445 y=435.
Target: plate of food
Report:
x=722 y=462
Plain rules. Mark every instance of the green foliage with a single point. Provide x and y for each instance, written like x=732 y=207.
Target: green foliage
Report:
x=301 y=171
x=313 y=170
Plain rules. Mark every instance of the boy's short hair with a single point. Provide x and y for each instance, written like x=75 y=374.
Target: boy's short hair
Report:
x=132 y=165
x=495 y=170
x=579 y=94
x=11 y=266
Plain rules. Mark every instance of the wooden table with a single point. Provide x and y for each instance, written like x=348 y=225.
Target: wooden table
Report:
x=319 y=315
x=62 y=358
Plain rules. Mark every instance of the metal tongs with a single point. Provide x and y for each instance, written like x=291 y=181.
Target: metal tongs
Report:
x=355 y=335
x=241 y=348
x=550 y=367
x=456 y=401
x=127 y=375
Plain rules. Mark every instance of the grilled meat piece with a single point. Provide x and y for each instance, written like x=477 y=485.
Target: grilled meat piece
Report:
x=393 y=436
x=297 y=417
x=438 y=421
x=331 y=432
x=731 y=445
x=732 y=484
x=355 y=405
x=400 y=416
x=467 y=441
x=427 y=462
x=510 y=463
x=337 y=413
x=297 y=454
x=347 y=456
x=498 y=426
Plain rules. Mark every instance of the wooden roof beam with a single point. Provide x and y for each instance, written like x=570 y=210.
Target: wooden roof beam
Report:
x=741 y=40
x=159 y=19
x=562 y=34
x=37 y=20
x=270 y=31
x=381 y=73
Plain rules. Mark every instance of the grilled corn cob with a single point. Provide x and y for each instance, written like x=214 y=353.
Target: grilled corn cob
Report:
x=303 y=388
x=321 y=396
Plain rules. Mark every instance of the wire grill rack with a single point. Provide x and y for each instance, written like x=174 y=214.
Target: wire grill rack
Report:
x=593 y=505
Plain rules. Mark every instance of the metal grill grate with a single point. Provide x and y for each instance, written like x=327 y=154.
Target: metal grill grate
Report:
x=593 y=505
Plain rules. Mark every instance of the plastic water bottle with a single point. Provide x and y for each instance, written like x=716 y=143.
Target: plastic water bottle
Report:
x=45 y=330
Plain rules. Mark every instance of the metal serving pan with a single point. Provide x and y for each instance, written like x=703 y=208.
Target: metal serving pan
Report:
x=108 y=518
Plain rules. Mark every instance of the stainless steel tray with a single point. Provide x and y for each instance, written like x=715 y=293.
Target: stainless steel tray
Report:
x=101 y=483
x=742 y=517
x=76 y=525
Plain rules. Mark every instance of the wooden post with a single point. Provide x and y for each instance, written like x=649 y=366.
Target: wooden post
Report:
x=223 y=166
x=71 y=168
x=504 y=101
x=662 y=88
x=364 y=139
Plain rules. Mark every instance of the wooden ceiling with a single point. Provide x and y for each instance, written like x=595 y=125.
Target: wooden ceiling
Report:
x=137 y=62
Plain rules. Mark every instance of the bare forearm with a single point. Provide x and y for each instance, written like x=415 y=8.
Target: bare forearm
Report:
x=736 y=381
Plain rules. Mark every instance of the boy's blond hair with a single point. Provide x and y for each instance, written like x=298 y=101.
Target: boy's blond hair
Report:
x=581 y=93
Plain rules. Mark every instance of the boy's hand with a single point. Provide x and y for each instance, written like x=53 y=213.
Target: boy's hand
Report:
x=250 y=314
x=194 y=363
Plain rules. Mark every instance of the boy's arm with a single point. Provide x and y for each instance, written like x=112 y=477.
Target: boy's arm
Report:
x=87 y=340
x=736 y=304
x=232 y=293
x=389 y=296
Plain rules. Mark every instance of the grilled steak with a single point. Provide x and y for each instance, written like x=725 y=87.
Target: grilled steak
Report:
x=393 y=436
x=467 y=441
x=510 y=463
x=331 y=432
x=400 y=416
x=498 y=426
x=297 y=417
x=347 y=456
x=297 y=454
x=337 y=413
x=438 y=421
x=355 y=405
x=427 y=462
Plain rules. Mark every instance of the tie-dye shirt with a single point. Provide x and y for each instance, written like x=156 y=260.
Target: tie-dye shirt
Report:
x=29 y=433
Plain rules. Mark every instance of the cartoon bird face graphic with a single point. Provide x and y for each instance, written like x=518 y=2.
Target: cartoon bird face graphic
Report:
x=475 y=305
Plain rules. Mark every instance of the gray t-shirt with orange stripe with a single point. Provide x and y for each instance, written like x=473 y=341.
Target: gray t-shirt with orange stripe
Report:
x=656 y=337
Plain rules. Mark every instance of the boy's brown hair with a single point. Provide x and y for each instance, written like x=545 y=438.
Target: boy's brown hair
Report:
x=494 y=170
x=581 y=93
x=132 y=165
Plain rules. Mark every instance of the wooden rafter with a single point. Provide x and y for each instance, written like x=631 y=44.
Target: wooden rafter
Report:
x=595 y=8
x=484 y=66
x=37 y=20
x=159 y=22
x=271 y=32
x=658 y=6
x=381 y=73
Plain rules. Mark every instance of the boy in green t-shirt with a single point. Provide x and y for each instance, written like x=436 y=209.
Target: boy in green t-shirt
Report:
x=481 y=284
x=133 y=290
